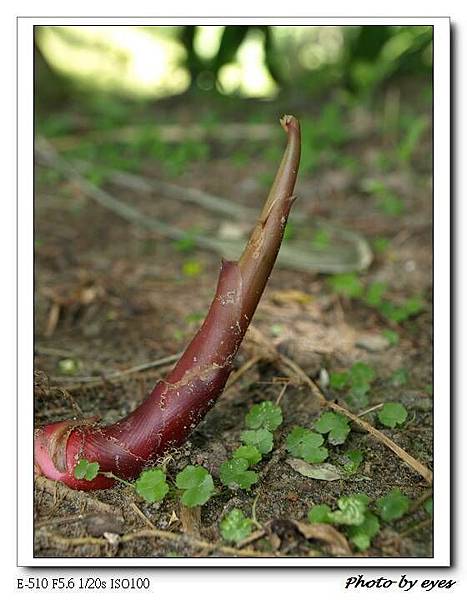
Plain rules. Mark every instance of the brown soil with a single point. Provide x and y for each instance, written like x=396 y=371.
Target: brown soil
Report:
x=123 y=301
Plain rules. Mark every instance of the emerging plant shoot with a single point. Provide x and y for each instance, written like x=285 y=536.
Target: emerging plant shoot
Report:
x=178 y=403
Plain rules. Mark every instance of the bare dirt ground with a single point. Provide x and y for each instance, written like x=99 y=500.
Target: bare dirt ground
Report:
x=110 y=296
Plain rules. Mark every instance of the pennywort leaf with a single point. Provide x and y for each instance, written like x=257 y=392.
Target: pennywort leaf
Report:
x=346 y=284
x=303 y=443
x=234 y=473
x=393 y=506
x=335 y=425
x=197 y=483
x=428 y=506
x=151 y=485
x=392 y=414
x=361 y=535
x=249 y=453
x=265 y=415
x=354 y=459
x=320 y=513
x=260 y=438
x=86 y=470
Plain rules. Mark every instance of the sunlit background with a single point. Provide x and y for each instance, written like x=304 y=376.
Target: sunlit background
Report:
x=249 y=61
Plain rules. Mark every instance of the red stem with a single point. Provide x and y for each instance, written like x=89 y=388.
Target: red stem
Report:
x=177 y=404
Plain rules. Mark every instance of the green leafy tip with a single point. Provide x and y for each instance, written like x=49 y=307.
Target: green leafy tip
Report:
x=303 y=443
x=234 y=473
x=86 y=470
x=151 y=485
x=265 y=415
x=354 y=459
x=393 y=506
x=260 y=438
x=197 y=483
x=392 y=414
x=335 y=425
x=235 y=527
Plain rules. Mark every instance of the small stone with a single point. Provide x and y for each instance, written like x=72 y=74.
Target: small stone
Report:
x=373 y=343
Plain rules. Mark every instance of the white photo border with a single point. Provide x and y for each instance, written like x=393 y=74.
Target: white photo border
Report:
x=441 y=296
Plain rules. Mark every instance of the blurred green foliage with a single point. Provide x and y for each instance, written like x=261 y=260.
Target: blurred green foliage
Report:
x=358 y=59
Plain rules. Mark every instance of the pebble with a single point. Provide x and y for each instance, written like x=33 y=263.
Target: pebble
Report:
x=373 y=343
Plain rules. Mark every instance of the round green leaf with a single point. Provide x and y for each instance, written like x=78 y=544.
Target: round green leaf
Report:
x=86 y=470
x=393 y=506
x=319 y=514
x=260 y=438
x=265 y=415
x=361 y=535
x=392 y=414
x=336 y=425
x=151 y=485
x=234 y=473
x=197 y=482
x=249 y=453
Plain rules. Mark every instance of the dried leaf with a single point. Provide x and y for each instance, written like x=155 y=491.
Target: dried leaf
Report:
x=323 y=471
x=336 y=542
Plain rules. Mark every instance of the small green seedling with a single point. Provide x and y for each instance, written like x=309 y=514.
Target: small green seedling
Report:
x=234 y=474
x=249 y=453
x=393 y=506
x=361 y=535
x=260 y=438
x=357 y=380
x=380 y=244
x=391 y=204
x=361 y=525
x=338 y=380
x=374 y=293
x=352 y=509
x=86 y=470
x=347 y=285
x=235 y=527
x=360 y=373
x=151 y=485
x=354 y=459
x=399 y=377
x=392 y=414
x=391 y=336
x=335 y=425
x=401 y=312
x=197 y=483
x=185 y=244
x=303 y=443
x=265 y=415
x=428 y=506
x=320 y=513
